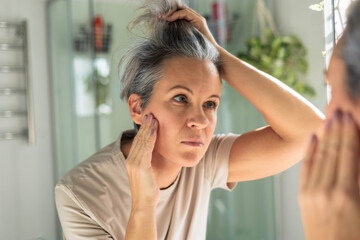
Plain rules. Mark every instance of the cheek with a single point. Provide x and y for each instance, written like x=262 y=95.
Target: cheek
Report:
x=213 y=121
x=169 y=123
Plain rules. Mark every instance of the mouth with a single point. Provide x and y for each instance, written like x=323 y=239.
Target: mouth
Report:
x=194 y=142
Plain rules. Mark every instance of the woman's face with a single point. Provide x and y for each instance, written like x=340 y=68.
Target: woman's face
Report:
x=340 y=98
x=185 y=103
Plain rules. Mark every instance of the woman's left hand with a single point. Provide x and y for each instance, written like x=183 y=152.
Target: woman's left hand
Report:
x=198 y=21
x=329 y=194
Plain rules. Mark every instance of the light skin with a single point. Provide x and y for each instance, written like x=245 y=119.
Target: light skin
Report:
x=181 y=105
x=184 y=103
x=271 y=149
x=328 y=192
x=181 y=115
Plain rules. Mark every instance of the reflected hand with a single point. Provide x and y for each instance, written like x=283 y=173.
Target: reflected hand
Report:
x=144 y=189
x=329 y=195
x=198 y=21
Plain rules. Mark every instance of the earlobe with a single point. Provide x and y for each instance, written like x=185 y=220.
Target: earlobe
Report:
x=134 y=104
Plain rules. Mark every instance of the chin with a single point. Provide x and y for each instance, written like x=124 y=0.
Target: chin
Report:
x=190 y=159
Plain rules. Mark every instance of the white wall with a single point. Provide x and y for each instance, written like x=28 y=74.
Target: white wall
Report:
x=294 y=17
x=27 y=209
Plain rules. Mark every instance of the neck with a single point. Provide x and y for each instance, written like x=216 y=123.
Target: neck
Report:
x=165 y=171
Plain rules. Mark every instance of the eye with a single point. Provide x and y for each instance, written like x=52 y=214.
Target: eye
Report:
x=210 y=105
x=180 y=98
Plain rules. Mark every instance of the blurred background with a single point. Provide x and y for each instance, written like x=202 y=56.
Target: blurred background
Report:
x=59 y=100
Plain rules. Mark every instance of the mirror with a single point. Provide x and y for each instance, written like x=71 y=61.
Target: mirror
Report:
x=89 y=115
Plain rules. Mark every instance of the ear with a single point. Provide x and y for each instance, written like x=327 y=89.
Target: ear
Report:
x=134 y=103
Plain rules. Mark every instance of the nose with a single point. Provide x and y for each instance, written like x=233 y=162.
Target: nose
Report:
x=197 y=119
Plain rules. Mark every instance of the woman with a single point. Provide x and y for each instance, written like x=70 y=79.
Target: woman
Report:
x=155 y=181
x=329 y=193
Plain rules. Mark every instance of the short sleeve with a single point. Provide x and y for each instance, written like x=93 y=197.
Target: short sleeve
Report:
x=76 y=224
x=217 y=161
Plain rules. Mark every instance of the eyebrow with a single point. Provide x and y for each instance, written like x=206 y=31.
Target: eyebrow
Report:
x=190 y=91
x=182 y=87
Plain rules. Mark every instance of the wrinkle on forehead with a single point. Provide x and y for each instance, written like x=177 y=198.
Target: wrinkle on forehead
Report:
x=191 y=72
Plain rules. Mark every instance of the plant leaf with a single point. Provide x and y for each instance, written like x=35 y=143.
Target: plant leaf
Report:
x=316 y=7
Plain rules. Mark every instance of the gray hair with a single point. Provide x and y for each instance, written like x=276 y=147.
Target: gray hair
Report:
x=142 y=64
x=349 y=49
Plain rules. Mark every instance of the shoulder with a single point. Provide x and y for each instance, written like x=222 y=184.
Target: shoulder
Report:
x=91 y=167
x=221 y=144
x=97 y=173
x=96 y=183
x=216 y=160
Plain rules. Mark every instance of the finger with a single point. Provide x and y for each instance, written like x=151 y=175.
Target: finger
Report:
x=147 y=131
x=332 y=152
x=137 y=146
x=316 y=169
x=144 y=130
x=183 y=14
x=306 y=164
x=154 y=128
x=149 y=146
x=193 y=11
x=143 y=144
x=349 y=155
x=165 y=15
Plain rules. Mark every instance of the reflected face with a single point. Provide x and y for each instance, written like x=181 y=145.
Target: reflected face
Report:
x=340 y=98
x=185 y=103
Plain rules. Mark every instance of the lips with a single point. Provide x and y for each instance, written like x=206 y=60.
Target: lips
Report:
x=193 y=142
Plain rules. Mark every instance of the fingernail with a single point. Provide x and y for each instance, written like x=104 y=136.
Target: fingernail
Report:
x=337 y=115
x=153 y=122
x=146 y=118
x=313 y=138
x=152 y=131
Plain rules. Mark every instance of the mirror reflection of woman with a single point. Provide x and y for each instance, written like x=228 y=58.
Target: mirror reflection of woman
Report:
x=155 y=181
x=329 y=181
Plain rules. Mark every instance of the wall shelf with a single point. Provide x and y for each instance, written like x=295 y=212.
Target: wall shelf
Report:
x=9 y=25
x=18 y=43
x=12 y=113
x=8 y=46
x=9 y=69
x=10 y=91
x=12 y=135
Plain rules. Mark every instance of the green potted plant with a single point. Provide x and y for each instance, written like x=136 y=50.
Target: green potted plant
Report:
x=283 y=57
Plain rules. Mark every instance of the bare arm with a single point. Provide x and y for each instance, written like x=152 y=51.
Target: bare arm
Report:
x=291 y=118
x=141 y=225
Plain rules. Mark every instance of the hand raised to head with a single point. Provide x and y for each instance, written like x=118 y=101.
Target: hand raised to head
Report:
x=144 y=189
x=198 y=21
x=329 y=195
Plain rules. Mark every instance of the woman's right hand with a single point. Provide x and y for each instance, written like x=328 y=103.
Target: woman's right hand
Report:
x=198 y=21
x=328 y=194
x=144 y=189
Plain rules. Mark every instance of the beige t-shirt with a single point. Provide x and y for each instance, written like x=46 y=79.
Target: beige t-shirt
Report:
x=93 y=200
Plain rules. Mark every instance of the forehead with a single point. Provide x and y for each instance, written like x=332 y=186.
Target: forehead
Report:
x=190 y=72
